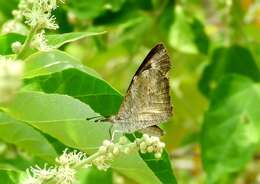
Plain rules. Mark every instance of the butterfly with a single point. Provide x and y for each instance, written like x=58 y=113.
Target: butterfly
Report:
x=147 y=102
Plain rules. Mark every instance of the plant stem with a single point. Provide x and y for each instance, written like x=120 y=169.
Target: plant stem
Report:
x=88 y=160
x=27 y=43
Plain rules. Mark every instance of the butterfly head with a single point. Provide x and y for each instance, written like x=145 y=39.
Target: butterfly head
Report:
x=114 y=119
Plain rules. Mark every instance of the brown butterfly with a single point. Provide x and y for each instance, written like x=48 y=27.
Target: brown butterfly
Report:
x=147 y=102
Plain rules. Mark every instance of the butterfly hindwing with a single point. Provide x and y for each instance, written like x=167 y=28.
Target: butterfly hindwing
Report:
x=153 y=130
x=147 y=101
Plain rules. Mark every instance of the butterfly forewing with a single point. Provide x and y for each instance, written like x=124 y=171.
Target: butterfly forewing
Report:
x=147 y=101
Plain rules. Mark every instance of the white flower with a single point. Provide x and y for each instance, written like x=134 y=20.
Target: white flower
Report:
x=123 y=140
x=37 y=13
x=150 y=144
x=101 y=162
x=69 y=162
x=126 y=150
x=10 y=78
x=17 y=14
x=39 y=42
x=107 y=143
x=16 y=46
x=116 y=151
x=71 y=158
x=65 y=175
x=30 y=179
x=43 y=173
x=157 y=155
x=37 y=17
x=108 y=151
x=14 y=26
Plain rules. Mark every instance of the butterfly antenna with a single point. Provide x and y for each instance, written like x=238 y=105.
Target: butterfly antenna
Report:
x=97 y=118
x=94 y=117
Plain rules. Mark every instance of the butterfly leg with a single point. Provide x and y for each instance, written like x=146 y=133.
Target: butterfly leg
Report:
x=113 y=132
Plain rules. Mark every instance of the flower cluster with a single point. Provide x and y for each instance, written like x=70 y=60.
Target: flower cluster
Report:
x=64 y=172
x=39 y=42
x=151 y=144
x=10 y=78
x=108 y=151
x=14 y=26
x=70 y=158
x=37 y=14
x=69 y=162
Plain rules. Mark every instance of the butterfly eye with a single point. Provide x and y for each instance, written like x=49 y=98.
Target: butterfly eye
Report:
x=118 y=118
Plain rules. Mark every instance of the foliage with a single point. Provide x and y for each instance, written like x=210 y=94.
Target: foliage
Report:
x=82 y=69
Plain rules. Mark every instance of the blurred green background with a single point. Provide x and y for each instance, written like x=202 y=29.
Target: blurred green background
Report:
x=206 y=40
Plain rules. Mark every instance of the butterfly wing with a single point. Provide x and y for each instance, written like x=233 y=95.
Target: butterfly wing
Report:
x=147 y=101
x=153 y=130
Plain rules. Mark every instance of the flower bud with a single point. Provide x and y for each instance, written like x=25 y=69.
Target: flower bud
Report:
x=102 y=149
x=122 y=140
x=106 y=143
x=10 y=78
x=16 y=47
x=143 y=146
x=150 y=149
x=116 y=150
x=157 y=155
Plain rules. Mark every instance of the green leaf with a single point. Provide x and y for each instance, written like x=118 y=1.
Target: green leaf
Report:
x=187 y=34
x=161 y=167
x=9 y=176
x=94 y=176
x=231 y=127
x=44 y=63
x=67 y=76
x=87 y=9
x=26 y=137
x=60 y=116
x=7 y=40
x=134 y=167
x=115 y=5
x=166 y=17
x=230 y=60
x=6 y=7
x=63 y=117
x=57 y=40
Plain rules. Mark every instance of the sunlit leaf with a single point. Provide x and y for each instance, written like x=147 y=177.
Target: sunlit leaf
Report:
x=187 y=34
x=60 y=116
x=67 y=76
x=231 y=128
x=94 y=176
x=87 y=9
x=57 y=40
x=43 y=63
x=25 y=137
x=228 y=60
